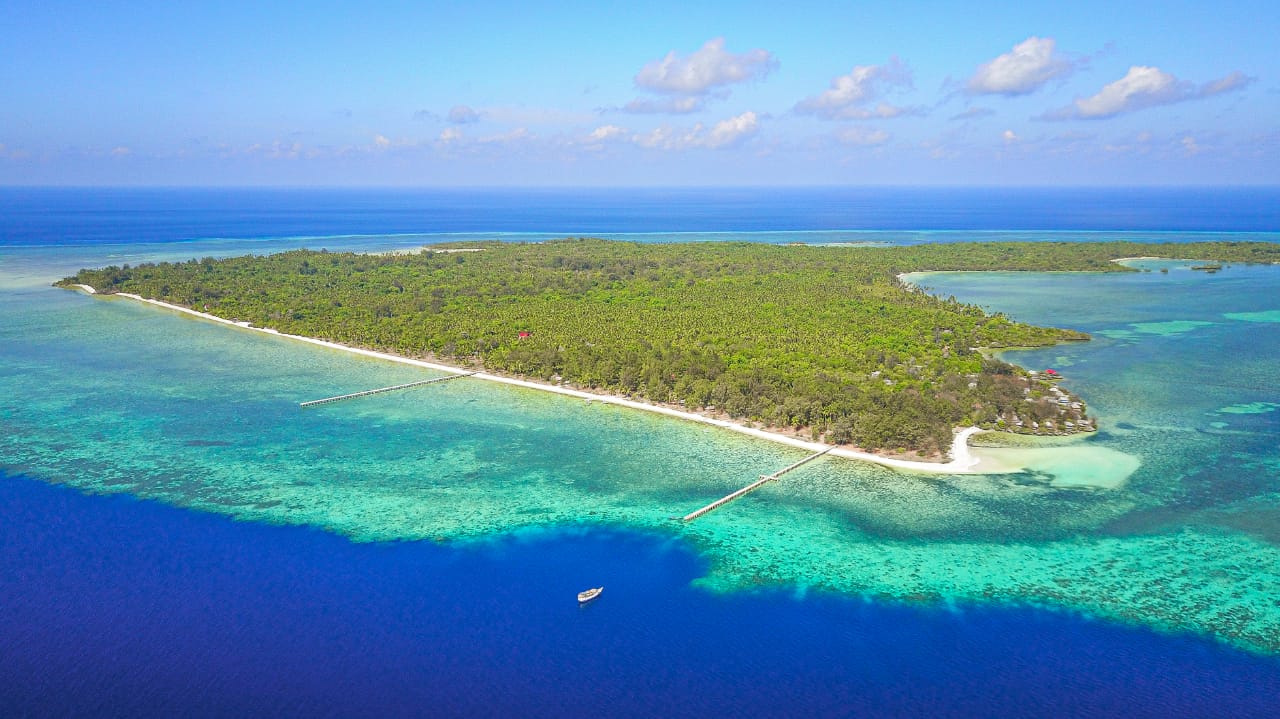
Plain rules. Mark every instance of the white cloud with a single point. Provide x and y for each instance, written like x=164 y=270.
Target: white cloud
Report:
x=668 y=105
x=706 y=69
x=1009 y=136
x=121 y=151
x=1140 y=87
x=732 y=131
x=1190 y=146
x=851 y=96
x=381 y=142
x=606 y=132
x=452 y=140
x=862 y=136
x=463 y=115
x=1143 y=87
x=597 y=139
x=1025 y=69
x=660 y=138
x=685 y=83
x=726 y=133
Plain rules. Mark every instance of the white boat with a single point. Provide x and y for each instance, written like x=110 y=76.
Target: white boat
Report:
x=588 y=595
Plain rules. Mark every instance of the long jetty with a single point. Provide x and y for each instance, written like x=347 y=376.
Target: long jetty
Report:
x=764 y=478
x=380 y=390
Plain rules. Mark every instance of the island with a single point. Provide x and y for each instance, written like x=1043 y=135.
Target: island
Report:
x=817 y=342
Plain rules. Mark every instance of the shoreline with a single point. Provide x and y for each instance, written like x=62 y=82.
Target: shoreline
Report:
x=962 y=459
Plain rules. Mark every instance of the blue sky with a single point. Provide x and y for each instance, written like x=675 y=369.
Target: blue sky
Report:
x=660 y=93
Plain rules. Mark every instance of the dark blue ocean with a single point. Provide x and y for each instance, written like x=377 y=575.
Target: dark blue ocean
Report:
x=116 y=607
x=61 y=216
x=112 y=605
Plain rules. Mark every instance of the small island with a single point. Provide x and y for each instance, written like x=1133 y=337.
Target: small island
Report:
x=823 y=343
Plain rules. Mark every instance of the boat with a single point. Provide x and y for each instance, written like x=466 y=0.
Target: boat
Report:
x=588 y=595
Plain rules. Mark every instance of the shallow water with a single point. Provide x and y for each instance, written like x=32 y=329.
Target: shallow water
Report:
x=1166 y=518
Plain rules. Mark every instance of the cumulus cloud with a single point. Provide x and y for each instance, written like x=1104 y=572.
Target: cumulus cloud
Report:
x=1025 y=69
x=732 y=131
x=381 y=142
x=1009 y=137
x=606 y=132
x=856 y=96
x=462 y=115
x=684 y=83
x=1143 y=87
x=449 y=134
x=599 y=138
x=708 y=68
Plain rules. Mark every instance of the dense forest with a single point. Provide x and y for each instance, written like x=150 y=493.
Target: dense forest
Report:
x=824 y=340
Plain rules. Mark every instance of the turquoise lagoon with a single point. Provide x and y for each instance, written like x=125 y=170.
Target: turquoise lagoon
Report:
x=1169 y=517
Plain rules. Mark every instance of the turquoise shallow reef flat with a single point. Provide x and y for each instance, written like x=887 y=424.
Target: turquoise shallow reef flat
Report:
x=1168 y=517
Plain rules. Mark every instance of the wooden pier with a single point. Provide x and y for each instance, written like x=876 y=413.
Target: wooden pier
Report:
x=764 y=478
x=380 y=390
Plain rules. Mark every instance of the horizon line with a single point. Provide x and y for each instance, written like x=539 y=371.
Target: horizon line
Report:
x=815 y=186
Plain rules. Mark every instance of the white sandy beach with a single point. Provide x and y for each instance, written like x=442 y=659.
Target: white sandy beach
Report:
x=962 y=460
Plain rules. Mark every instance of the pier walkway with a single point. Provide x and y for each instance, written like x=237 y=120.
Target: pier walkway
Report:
x=764 y=478
x=380 y=390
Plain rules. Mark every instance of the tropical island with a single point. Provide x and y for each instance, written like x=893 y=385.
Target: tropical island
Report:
x=827 y=343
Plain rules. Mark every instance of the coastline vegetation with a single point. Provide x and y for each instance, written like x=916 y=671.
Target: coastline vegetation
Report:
x=826 y=341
